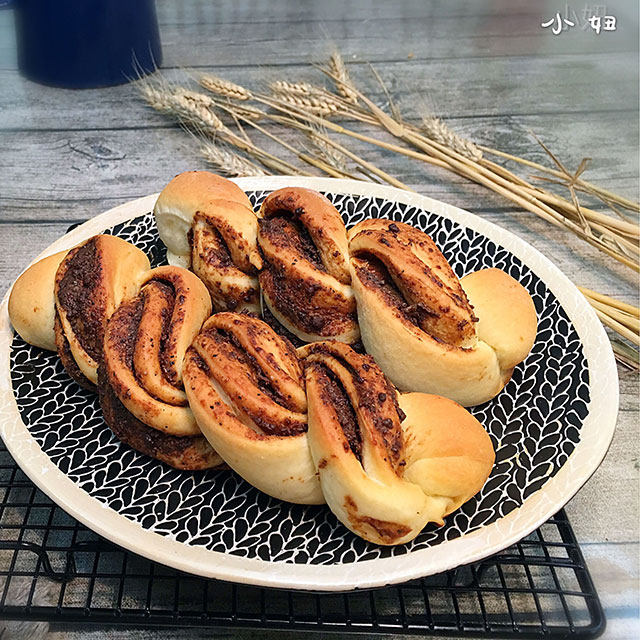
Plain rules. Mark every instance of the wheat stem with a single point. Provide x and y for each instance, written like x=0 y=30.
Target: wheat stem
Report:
x=626 y=355
x=633 y=324
x=229 y=162
x=223 y=87
x=587 y=186
x=612 y=302
x=618 y=327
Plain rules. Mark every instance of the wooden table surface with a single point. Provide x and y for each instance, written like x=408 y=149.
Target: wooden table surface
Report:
x=488 y=68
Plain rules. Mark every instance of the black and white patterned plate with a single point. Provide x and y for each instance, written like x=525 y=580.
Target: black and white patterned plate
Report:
x=214 y=523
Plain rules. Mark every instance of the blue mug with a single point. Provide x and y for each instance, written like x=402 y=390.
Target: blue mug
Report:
x=80 y=44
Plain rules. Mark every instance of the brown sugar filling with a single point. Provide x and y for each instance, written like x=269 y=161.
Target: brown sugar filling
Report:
x=292 y=298
x=379 y=401
x=81 y=296
x=215 y=252
x=285 y=232
x=233 y=350
x=123 y=330
x=375 y=275
x=186 y=452
x=164 y=354
x=334 y=394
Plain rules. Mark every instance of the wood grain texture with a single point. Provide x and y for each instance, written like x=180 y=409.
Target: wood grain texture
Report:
x=488 y=68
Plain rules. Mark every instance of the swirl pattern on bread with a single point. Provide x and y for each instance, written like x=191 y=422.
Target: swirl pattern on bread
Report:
x=208 y=224
x=374 y=471
x=90 y=283
x=305 y=282
x=423 y=328
x=246 y=388
x=324 y=423
x=142 y=387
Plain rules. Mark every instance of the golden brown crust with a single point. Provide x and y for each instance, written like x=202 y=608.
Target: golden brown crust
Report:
x=388 y=466
x=354 y=393
x=448 y=452
x=225 y=256
x=32 y=303
x=208 y=224
x=305 y=280
x=507 y=315
x=67 y=359
x=257 y=370
x=188 y=452
x=189 y=189
x=357 y=445
x=408 y=269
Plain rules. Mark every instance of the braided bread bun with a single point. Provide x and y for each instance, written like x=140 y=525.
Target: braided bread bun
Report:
x=62 y=302
x=208 y=224
x=356 y=444
x=92 y=280
x=383 y=480
x=246 y=389
x=141 y=389
x=305 y=282
x=422 y=328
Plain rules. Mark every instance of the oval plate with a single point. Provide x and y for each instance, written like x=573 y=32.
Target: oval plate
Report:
x=551 y=427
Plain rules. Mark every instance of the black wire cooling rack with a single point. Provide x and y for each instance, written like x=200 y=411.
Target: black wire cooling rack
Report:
x=53 y=568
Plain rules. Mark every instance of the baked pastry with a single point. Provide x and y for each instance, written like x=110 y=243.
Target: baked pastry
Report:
x=383 y=472
x=357 y=445
x=429 y=331
x=208 y=225
x=447 y=451
x=305 y=282
x=141 y=389
x=90 y=283
x=63 y=302
x=246 y=389
x=32 y=305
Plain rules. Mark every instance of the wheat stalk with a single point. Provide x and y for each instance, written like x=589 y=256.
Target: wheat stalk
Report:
x=302 y=94
x=196 y=110
x=440 y=132
x=500 y=182
x=318 y=138
x=223 y=87
x=228 y=162
x=365 y=167
x=307 y=108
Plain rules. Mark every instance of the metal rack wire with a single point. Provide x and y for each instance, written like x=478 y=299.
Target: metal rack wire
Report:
x=53 y=568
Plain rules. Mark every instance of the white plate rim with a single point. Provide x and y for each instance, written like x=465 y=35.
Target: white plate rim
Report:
x=595 y=435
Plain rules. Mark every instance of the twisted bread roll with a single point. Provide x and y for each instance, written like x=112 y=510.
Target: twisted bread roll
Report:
x=90 y=283
x=382 y=480
x=245 y=387
x=208 y=224
x=62 y=302
x=357 y=445
x=305 y=282
x=420 y=325
x=144 y=348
